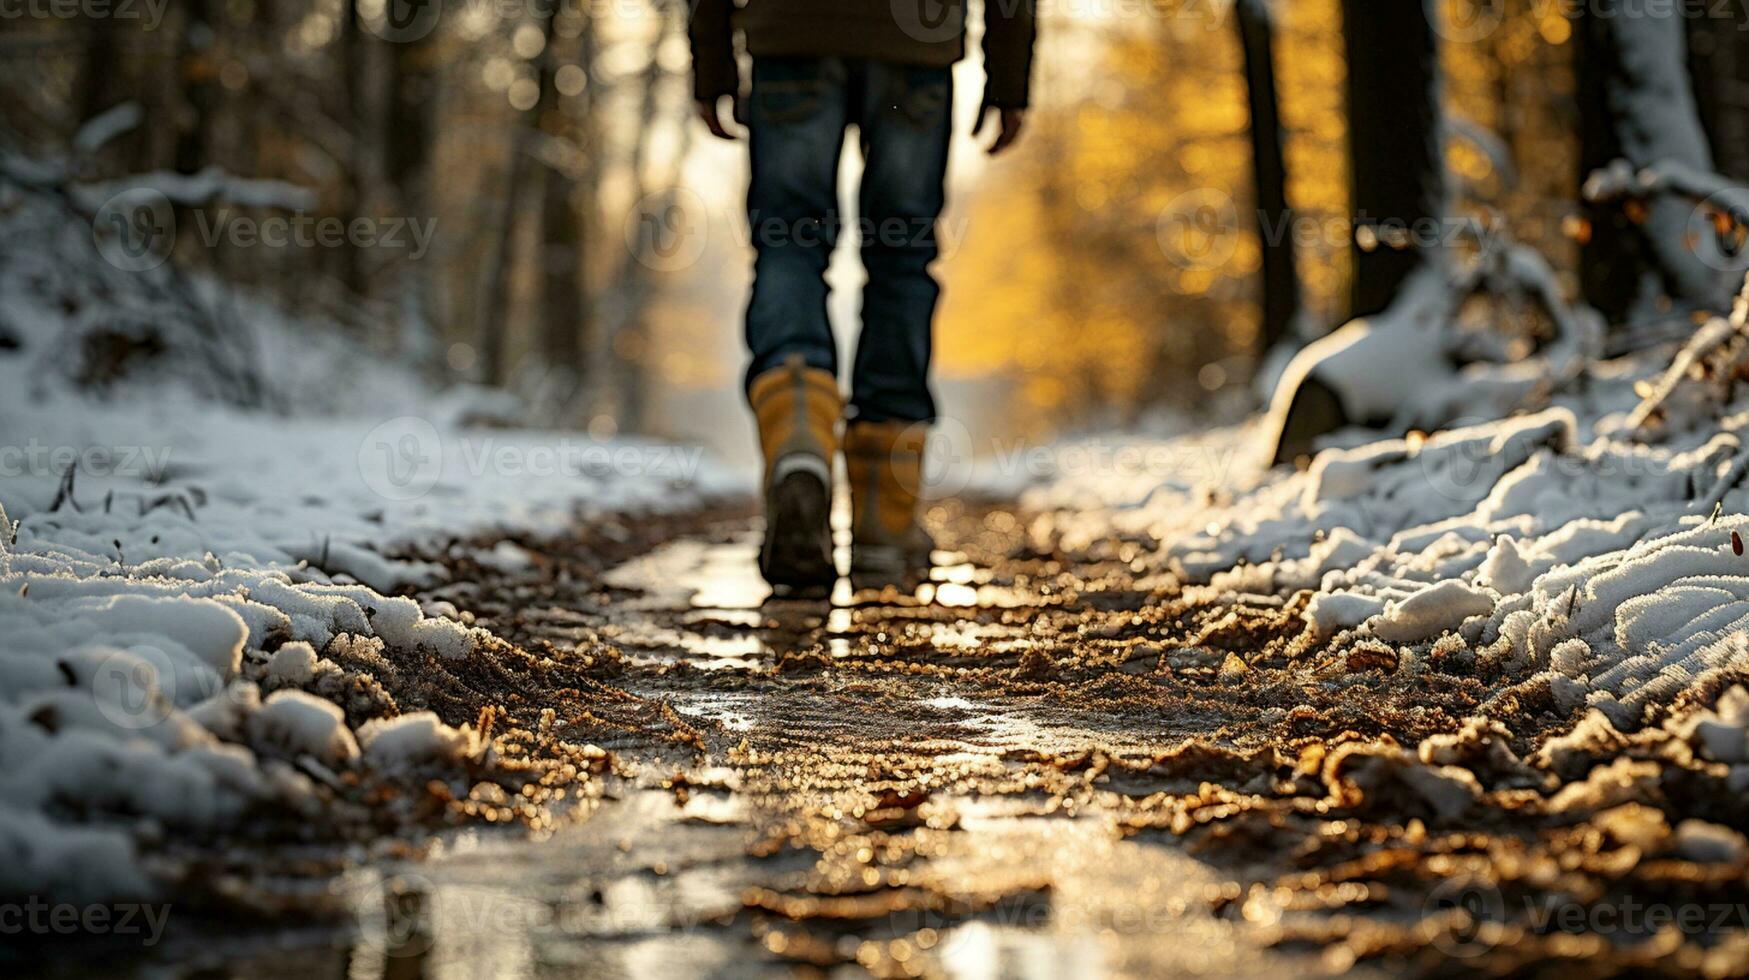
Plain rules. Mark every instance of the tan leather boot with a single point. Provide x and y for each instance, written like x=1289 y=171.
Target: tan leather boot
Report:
x=797 y=408
x=885 y=461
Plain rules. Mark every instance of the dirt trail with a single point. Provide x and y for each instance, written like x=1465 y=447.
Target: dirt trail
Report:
x=908 y=783
x=1037 y=764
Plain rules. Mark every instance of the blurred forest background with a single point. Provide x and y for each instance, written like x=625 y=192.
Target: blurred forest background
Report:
x=587 y=253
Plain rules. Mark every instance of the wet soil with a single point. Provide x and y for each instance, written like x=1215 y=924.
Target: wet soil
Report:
x=1037 y=764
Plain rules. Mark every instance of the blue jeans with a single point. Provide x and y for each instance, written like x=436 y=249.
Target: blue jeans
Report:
x=797 y=118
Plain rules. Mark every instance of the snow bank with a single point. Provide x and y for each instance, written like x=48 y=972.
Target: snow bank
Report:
x=1431 y=611
x=181 y=579
x=298 y=724
x=412 y=739
x=1568 y=544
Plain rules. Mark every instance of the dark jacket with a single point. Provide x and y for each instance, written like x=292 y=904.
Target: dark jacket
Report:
x=918 y=32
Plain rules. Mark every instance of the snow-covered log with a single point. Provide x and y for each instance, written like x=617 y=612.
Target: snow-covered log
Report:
x=1410 y=368
x=1646 y=115
x=1717 y=225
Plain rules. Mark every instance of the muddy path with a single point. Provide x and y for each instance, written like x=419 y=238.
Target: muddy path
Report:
x=1038 y=764
x=1042 y=764
x=905 y=783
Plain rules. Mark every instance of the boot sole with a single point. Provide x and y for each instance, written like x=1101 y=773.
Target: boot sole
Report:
x=878 y=566
x=796 y=556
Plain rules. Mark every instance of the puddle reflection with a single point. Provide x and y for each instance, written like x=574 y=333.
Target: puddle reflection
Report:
x=725 y=616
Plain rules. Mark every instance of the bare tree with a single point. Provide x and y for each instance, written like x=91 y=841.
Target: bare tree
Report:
x=656 y=201
x=197 y=75
x=1281 y=289
x=492 y=324
x=1637 y=106
x=100 y=86
x=409 y=124
x=1718 y=58
x=1397 y=172
x=364 y=147
x=567 y=319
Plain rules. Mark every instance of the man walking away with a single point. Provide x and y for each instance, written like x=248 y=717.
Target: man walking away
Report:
x=819 y=68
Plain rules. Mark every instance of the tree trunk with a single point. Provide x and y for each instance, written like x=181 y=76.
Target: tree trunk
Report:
x=1637 y=104
x=197 y=72
x=1718 y=59
x=411 y=107
x=631 y=342
x=1396 y=143
x=100 y=85
x=360 y=124
x=493 y=325
x=566 y=322
x=409 y=119
x=103 y=84
x=1281 y=289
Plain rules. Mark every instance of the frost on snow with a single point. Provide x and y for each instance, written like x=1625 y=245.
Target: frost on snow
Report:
x=1592 y=546
x=196 y=601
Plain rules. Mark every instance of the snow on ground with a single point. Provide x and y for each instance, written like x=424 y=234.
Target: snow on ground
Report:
x=1576 y=546
x=177 y=573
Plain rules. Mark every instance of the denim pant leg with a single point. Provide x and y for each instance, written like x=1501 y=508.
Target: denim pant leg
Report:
x=796 y=123
x=905 y=118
